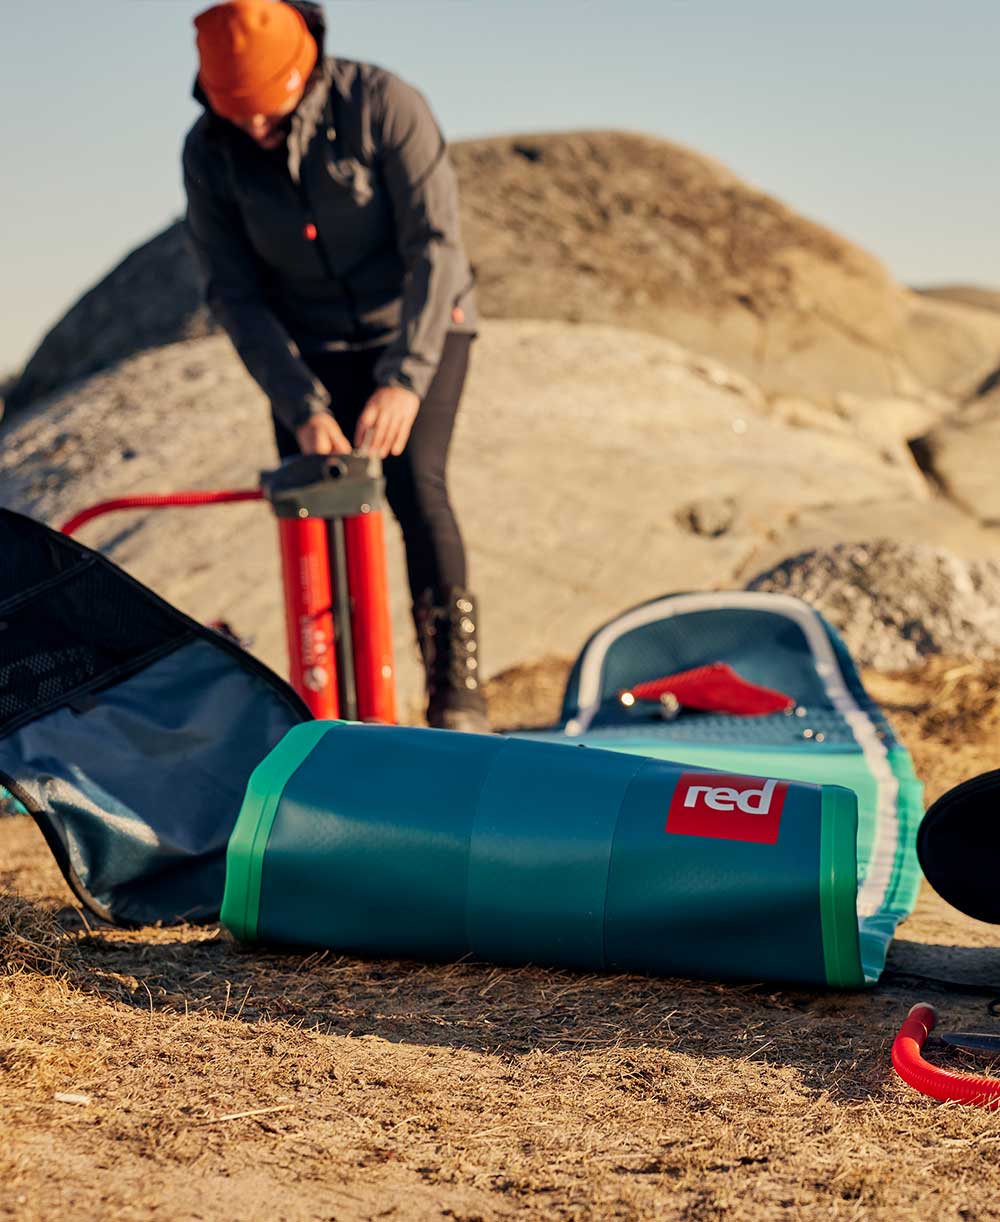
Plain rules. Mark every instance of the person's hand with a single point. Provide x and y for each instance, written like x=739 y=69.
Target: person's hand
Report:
x=387 y=419
x=321 y=434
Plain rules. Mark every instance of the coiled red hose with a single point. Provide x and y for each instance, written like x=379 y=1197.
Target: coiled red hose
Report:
x=928 y=1079
x=164 y=501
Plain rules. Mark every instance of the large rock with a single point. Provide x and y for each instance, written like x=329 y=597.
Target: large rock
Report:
x=624 y=230
x=961 y=454
x=152 y=297
x=592 y=468
x=950 y=347
x=980 y=298
x=895 y=603
x=644 y=233
x=977 y=295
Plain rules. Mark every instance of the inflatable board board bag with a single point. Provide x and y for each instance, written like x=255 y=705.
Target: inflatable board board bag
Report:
x=435 y=845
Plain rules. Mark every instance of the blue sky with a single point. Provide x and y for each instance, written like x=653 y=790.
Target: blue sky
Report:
x=877 y=119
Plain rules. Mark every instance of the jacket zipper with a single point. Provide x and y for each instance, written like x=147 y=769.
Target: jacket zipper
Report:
x=311 y=233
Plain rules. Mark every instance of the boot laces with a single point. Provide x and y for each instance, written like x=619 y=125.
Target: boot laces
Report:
x=451 y=648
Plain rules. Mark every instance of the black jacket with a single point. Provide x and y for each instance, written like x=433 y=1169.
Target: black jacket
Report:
x=348 y=238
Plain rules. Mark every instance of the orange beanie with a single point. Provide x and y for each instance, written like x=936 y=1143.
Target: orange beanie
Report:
x=255 y=56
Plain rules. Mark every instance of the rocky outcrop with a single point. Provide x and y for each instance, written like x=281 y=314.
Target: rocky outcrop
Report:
x=950 y=347
x=960 y=455
x=896 y=603
x=637 y=232
x=966 y=294
x=624 y=230
x=592 y=468
x=152 y=297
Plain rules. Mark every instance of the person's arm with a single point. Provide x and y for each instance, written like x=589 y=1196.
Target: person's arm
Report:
x=235 y=296
x=424 y=192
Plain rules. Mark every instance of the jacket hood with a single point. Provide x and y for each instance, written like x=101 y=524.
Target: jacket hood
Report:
x=315 y=20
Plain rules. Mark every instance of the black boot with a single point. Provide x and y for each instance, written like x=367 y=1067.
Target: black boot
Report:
x=447 y=635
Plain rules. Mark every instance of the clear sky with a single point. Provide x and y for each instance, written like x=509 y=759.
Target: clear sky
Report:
x=875 y=117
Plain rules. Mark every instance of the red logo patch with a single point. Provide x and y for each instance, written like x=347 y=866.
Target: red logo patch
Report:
x=727 y=807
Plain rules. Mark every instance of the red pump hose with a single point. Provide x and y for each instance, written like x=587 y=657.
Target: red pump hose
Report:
x=153 y=501
x=928 y=1079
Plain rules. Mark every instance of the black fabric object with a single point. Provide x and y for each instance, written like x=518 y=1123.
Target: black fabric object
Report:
x=416 y=480
x=958 y=847
x=69 y=624
x=127 y=730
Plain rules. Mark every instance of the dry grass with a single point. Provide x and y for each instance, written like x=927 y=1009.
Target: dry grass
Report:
x=948 y=713
x=528 y=696
x=30 y=938
x=228 y=1083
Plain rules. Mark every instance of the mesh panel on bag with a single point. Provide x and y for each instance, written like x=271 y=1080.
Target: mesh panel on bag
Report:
x=70 y=624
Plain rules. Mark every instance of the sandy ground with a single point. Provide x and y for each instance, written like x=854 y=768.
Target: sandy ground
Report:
x=224 y=1083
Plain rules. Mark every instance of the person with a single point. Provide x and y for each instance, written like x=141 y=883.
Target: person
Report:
x=323 y=210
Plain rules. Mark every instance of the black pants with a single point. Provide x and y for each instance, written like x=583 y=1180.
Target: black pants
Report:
x=416 y=480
